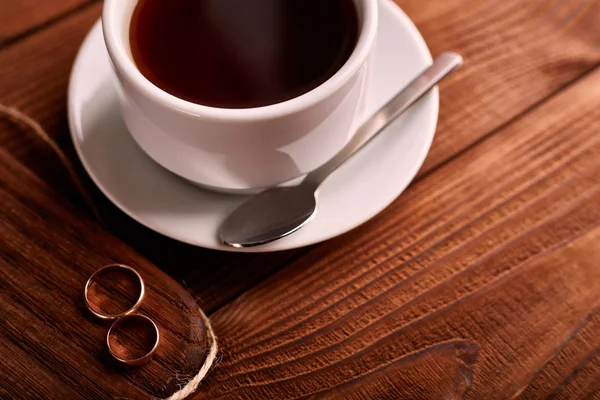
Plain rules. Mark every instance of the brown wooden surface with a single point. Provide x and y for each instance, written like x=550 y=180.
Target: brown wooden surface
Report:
x=481 y=281
x=20 y=17
x=50 y=343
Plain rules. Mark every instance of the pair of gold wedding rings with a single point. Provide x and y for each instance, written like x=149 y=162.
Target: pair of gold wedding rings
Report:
x=123 y=318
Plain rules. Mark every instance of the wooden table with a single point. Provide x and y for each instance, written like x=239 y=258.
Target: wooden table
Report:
x=482 y=280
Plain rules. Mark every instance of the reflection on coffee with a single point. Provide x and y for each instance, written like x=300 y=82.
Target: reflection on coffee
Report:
x=242 y=53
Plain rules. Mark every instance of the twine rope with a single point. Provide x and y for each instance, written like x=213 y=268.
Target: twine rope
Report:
x=17 y=116
x=193 y=384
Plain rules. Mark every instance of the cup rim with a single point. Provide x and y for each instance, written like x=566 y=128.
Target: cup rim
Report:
x=114 y=39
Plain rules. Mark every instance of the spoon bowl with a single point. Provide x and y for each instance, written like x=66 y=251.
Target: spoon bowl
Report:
x=269 y=219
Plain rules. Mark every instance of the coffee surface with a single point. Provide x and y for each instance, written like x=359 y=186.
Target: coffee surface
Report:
x=241 y=53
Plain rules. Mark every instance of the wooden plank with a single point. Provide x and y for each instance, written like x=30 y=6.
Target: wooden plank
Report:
x=517 y=53
x=497 y=248
x=448 y=366
x=571 y=359
x=17 y=17
x=51 y=345
x=34 y=74
x=482 y=252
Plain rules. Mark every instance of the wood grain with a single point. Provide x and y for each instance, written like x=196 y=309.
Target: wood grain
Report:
x=517 y=53
x=529 y=65
x=498 y=248
x=18 y=17
x=51 y=346
x=35 y=72
x=448 y=369
x=573 y=356
x=481 y=281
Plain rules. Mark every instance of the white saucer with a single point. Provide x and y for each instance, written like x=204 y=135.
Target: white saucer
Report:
x=358 y=191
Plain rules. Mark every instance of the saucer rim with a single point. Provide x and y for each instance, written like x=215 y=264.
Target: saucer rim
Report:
x=432 y=98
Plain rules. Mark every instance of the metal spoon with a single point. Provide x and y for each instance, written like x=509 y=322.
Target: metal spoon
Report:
x=280 y=211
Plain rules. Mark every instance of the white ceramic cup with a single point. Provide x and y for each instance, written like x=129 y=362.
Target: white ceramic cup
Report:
x=240 y=150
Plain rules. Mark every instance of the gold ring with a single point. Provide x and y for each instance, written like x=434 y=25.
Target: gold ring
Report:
x=133 y=362
x=111 y=317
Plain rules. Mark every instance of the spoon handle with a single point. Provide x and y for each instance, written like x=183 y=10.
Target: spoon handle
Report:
x=445 y=63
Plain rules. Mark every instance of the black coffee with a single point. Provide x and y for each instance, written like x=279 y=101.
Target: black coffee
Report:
x=242 y=53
